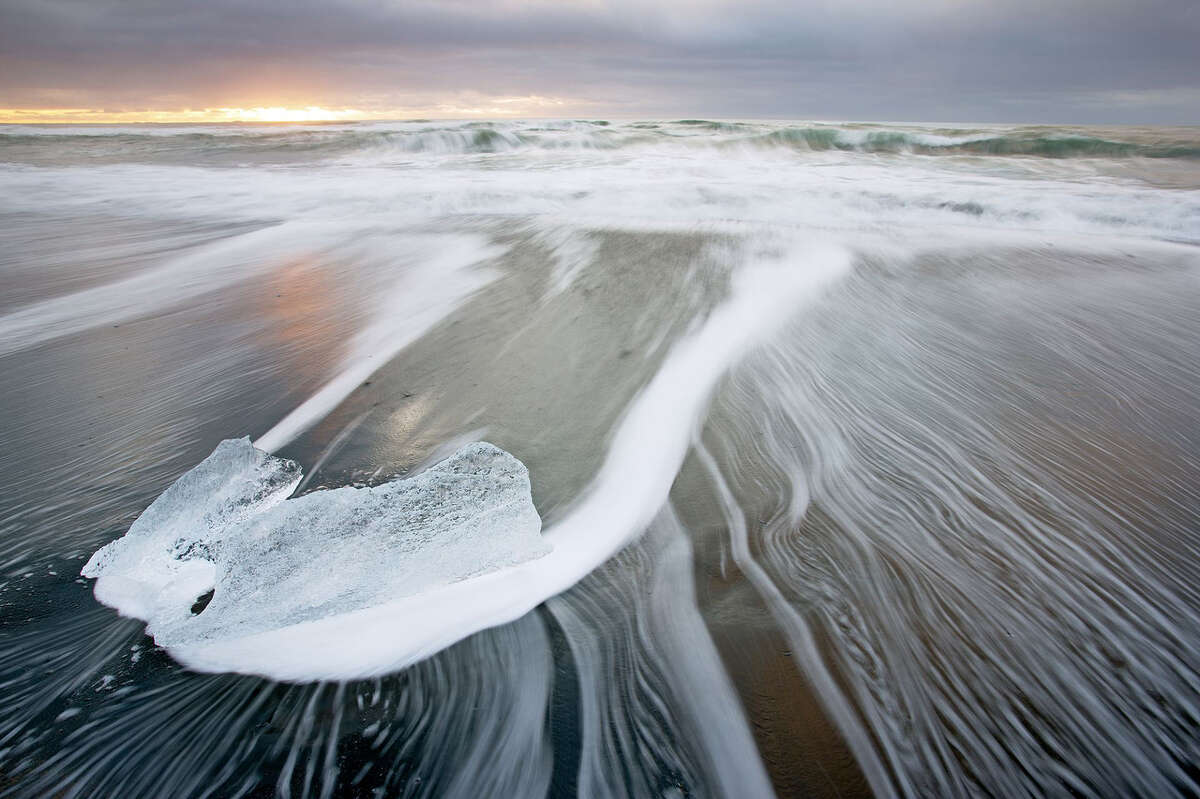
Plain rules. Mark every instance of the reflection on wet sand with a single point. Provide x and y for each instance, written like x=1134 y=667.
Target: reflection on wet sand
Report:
x=936 y=536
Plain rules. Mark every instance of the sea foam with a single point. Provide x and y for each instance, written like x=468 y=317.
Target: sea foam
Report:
x=353 y=583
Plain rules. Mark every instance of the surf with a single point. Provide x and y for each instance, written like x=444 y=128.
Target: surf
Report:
x=153 y=574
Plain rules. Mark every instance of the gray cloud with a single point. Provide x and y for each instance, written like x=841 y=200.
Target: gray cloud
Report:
x=1070 y=61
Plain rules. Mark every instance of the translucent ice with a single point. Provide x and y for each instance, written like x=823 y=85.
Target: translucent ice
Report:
x=354 y=583
x=225 y=526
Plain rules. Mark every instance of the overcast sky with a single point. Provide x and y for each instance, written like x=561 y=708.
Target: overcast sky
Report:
x=921 y=60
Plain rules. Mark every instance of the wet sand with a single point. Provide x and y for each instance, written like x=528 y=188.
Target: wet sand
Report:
x=936 y=537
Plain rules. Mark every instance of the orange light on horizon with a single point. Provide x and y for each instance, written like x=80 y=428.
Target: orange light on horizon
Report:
x=310 y=113
x=472 y=106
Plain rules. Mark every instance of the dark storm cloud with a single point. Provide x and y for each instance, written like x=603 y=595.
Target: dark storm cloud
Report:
x=936 y=59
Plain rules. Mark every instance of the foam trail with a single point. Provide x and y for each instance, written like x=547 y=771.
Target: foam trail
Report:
x=799 y=635
x=637 y=639
x=631 y=487
x=983 y=509
x=698 y=674
x=192 y=274
x=421 y=299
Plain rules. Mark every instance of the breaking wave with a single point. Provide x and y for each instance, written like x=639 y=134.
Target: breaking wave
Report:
x=233 y=145
x=828 y=459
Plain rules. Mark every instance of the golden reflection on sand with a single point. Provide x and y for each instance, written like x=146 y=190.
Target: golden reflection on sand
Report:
x=309 y=315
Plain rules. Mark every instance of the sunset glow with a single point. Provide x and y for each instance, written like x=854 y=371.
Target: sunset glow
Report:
x=472 y=105
x=311 y=113
x=585 y=398
x=213 y=115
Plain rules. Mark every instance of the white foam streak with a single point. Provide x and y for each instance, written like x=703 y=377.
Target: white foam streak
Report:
x=799 y=635
x=631 y=487
x=699 y=675
x=422 y=297
x=189 y=275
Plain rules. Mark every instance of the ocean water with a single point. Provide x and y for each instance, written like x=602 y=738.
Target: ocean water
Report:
x=861 y=460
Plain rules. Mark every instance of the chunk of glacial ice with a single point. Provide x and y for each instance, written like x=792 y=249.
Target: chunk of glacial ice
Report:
x=272 y=562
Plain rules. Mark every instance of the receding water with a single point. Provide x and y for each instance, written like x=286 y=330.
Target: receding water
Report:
x=867 y=460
